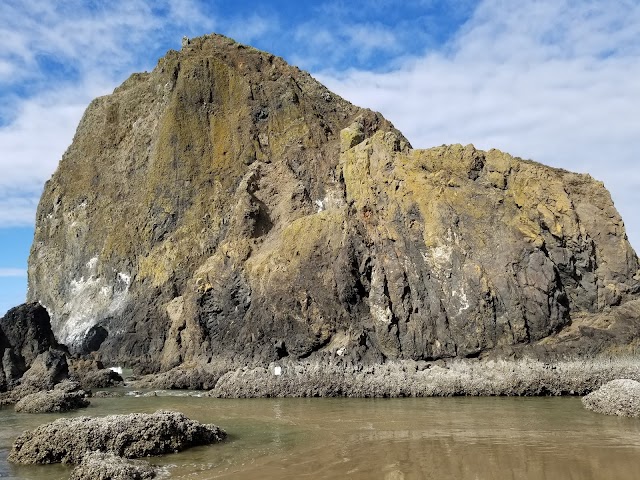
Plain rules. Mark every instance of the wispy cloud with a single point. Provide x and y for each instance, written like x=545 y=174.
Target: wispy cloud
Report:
x=57 y=56
x=13 y=272
x=553 y=80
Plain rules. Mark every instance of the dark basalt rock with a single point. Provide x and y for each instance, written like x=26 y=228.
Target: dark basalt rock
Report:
x=48 y=369
x=226 y=208
x=25 y=333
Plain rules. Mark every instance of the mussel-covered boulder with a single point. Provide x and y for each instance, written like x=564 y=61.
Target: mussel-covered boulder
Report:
x=617 y=397
x=68 y=440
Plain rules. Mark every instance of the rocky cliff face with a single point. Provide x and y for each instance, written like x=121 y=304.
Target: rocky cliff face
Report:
x=226 y=205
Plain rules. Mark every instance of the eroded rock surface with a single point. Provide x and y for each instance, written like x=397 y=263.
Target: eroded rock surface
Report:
x=617 y=397
x=64 y=397
x=48 y=369
x=25 y=333
x=106 y=466
x=226 y=207
x=68 y=440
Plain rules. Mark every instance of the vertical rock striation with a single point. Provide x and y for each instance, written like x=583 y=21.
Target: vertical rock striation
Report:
x=228 y=206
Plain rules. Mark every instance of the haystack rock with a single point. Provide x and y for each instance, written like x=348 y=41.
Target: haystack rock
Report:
x=228 y=206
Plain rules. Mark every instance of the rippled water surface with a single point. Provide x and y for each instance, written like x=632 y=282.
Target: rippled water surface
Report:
x=431 y=438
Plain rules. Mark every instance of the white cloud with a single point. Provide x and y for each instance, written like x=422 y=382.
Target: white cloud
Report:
x=99 y=45
x=248 y=29
x=551 y=80
x=13 y=272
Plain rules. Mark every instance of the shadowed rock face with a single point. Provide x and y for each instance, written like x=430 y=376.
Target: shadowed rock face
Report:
x=25 y=333
x=226 y=205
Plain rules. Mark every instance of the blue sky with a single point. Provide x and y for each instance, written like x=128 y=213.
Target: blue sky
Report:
x=551 y=80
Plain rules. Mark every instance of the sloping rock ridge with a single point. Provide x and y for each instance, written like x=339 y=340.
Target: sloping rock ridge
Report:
x=228 y=206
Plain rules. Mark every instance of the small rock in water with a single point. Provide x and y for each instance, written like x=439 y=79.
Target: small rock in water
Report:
x=53 y=401
x=617 y=397
x=69 y=440
x=107 y=466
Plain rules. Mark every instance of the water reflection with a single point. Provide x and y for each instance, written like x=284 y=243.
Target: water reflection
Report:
x=460 y=438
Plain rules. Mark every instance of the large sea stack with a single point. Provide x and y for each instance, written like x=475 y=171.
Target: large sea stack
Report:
x=227 y=206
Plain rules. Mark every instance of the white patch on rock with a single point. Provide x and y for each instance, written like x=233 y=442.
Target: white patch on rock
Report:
x=92 y=263
x=461 y=296
x=90 y=300
x=381 y=314
x=333 y=200
x=125 y=278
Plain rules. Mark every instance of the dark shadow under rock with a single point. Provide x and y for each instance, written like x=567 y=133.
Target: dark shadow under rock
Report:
x=68 y=440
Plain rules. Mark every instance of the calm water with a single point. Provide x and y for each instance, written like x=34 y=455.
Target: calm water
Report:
x=432 y=438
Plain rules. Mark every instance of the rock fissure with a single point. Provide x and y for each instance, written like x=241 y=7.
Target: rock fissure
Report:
x=286 y=220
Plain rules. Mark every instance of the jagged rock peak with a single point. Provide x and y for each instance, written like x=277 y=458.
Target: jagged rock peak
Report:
x=227 y=205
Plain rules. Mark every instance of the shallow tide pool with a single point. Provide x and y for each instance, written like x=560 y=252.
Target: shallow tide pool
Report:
x=427 y=438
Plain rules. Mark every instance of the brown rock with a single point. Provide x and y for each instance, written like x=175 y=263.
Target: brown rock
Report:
x=53 y=401
x=226 y=208
x=69 y=440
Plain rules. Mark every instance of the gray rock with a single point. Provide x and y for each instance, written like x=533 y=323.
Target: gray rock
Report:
x=107 y=466
x=25 y=333
x=106 y=394
x=48 y=369
x=54 y=401
x=68 y=440
x=103 y=378
x=617 y=397
x=28 y=331
x=335 y=238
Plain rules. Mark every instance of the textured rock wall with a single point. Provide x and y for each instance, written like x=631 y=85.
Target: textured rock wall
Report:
x=25 y=333
x=228 y=205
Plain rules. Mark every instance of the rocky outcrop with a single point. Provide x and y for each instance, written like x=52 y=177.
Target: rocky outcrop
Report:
x=106 y=466
x=408 y=378
x=69 y=440
x=227 y=208
x=617 y=397
x=25 y=333
x=64 y=397
x=48 y=369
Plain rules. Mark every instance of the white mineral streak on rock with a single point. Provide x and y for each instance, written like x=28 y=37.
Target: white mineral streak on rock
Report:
x=90 y=299
x=440 y=259
x=378 y=302
x=92 y=263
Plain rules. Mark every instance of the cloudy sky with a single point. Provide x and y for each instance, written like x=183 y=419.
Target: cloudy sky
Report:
x=552 y=80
